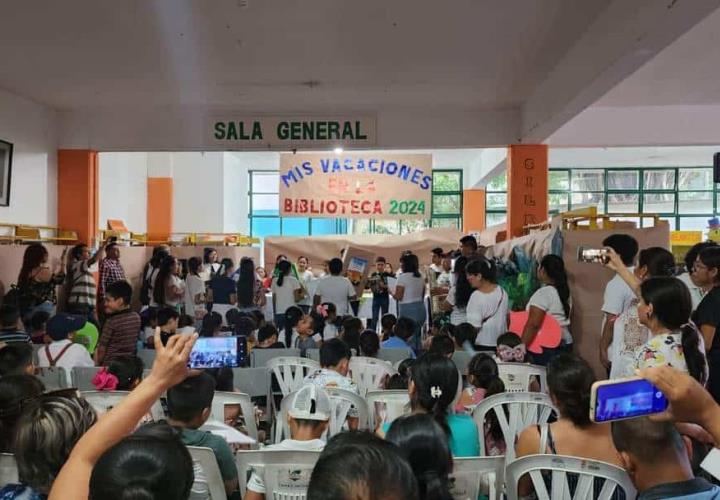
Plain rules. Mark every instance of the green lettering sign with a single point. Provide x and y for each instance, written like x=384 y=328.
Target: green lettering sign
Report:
x=282 y=131
x=219 y=130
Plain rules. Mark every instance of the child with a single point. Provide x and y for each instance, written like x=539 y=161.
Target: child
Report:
x=168 y=322
x=149 y=322
x=38 y=323
x=445 y=346
x=464 y=336
x=369 y=344
x=404 y=329
x=326 y=320
x=16 y=359
x=268 y=338
x=259 y=317
x=189 y=405
x=186 y=324
x=211 y=325
x=387 y=324
x=299 y=330
x=61 y=351
x=510 y=349
x=11 y=326
x=123 y=373
x=122 y=325
x=351 y=327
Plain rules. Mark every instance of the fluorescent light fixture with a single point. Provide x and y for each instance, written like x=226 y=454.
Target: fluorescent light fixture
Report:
x=338 y=150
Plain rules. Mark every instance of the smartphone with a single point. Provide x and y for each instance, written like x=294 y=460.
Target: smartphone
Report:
x=625 y=398
x=218 y=352
x=592 y=255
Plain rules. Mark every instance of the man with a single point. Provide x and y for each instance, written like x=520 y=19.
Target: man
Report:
x=657 y=460
x=189 y=405
x=308 y=417
x=11 y=326
x=379 y=286
x=469 y=247
x=403 y=330
x=110 y=269
x=335 y=289
x=122 y=326
x=436 y=256
x=618 y=297
x=16 y=359
x=62 y=352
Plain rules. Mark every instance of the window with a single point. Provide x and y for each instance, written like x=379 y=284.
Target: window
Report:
x=685 y=197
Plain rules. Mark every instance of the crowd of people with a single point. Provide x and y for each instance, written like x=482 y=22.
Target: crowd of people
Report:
x=656 y=322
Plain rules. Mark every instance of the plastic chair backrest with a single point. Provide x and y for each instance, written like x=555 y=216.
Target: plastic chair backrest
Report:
x=394 y=354
x=477 y=477
x=147 y=356
x=287 y=481
x=207 y=473
x=246 y=407
x=53 y=377
x=291 y=371
x=247 y=461
x=82 y=377
x=104 y=401
x=313 y=354
x=517 y=376
x=386 y=406
x=261 y=357
x=514 y=412
x=369 y=373
x=592 y=480
x=251 y=381
x=341 y=402
x=8 y=469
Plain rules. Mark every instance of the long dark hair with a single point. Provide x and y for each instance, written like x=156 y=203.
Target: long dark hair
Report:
x=711 y=258
x=128 y=370
x=410 y=264
x=225 y=265
x=554 y=267
x=284 y=267
x=293 y=315
x=162 y=278
x=246 y=283
x=425 y=445
x=659 y=262
x=194 y=265
x=158 y=256
x=570 y=379
x=436 y=384
x=33 y=257
x=483 y=267
x=672 y=307
x=463 y=288
x=483 y=373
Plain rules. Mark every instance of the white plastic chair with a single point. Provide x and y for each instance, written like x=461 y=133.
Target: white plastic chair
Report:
x=53 y=377
x=341 y=401
x=82 y=376
x=251 y=381
x=394 y=354
x=313 y=354
x=517 y=376
x=593 y=480
x=104 y=401
x=246 y=407
x=208 y=480
x=475 y=477
x=247 y=461
x=369 y=373
x=514 y=411
x=386 y=406
x=8 y=469
x=261 y=357
x=290 y=372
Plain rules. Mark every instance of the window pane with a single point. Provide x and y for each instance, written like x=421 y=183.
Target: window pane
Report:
x=588 y=180
x=360 y=226
x=265 y=204
x=650 y=222
x=659 y=203
x=265 y=182
x=265 y=226
x=588 y=199
x=411 y=226
x=695 y=178
x=295 y=226
x=659 y=179
x=446 y=204
x=453 y=222
x=695 y=202
x=559 y=180
x=693 y=224
x=387 y=227
x=493 y=219
x=623 y=203
x=323 y=226
x=496 y=201
x=558 y=202
x=623 y=179
x=446 y=181
x=498 y=183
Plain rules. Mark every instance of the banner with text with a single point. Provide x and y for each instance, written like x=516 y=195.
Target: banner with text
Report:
x=356 y=186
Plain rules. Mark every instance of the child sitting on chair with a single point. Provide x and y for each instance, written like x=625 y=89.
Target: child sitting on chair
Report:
x=299 y=330
x=510 y=349
x=123 y=373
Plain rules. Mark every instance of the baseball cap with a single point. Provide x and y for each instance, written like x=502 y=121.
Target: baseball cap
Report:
x=310 y=403
x=63 y=324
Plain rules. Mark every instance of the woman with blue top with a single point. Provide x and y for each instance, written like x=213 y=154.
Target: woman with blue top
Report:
x=433 y=385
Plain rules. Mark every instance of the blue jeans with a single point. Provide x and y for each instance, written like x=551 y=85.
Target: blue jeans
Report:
x=380 y=303
x=416 y=312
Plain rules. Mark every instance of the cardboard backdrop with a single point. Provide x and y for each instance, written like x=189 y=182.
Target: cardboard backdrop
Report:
x=321 y=248
x=381 y=186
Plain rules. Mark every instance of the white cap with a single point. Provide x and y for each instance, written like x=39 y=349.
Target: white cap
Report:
x=310 y=403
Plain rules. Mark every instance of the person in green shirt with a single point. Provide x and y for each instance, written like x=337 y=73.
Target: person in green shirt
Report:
x=189 y=405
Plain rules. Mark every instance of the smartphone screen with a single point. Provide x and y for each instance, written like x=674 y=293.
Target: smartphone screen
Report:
x=218 y=352
x=627 y=399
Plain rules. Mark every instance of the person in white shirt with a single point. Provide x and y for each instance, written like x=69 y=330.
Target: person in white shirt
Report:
x=618 y=297
x=437 y=255
x=335 y=288
x=168 y=288
x=62 y=352
x=305 y=276
x=286 y=292
x=487 y=309
x=458 y=295
x=697 y=293
x=445 y=279
x=552 y=298
x=410 y=294
x=195 y=292
x=210 y=265
x=308 y=418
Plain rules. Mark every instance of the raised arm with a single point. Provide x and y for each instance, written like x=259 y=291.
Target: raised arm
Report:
x=616 y=264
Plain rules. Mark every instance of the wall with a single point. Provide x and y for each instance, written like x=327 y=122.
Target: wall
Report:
x=123 y=189
x=31 y=128
x=198 y=192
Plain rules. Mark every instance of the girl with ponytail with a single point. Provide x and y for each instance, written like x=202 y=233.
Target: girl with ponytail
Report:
x=286 y=292
x=552 y=298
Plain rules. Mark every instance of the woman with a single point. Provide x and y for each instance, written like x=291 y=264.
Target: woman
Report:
x=706 y=274
x=553 y=298
x=168 y=289
x=37 y=283
x=458 y=294
x=425 y=446
x=262 y=275
x=487 y=308
x=250 y=292
x=57 y=420
x=410 y=293
x=195 y=291
x=15 y=391
x=570 y=380
x=222 y=290
x=150 y=271
x=210 y=265
x=434 y=383
x=305 y=276
x=286 y=292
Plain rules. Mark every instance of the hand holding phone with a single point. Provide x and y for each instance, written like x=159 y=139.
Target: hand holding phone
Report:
x=625 y=398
